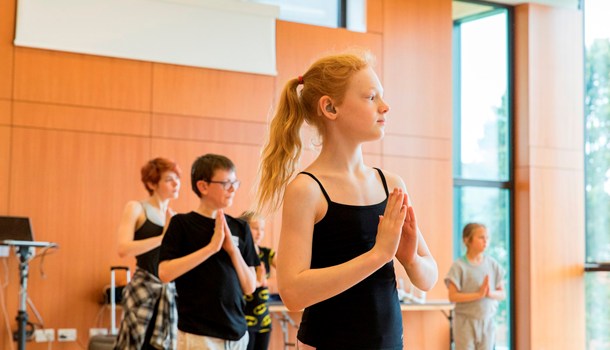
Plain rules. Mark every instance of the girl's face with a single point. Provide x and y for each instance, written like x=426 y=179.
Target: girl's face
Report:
x=258 y=230
x=168 y=186
x=478 y=241
x=363 y=111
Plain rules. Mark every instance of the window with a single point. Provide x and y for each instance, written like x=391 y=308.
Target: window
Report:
x=350 y=14
x=482 y=142
x=597 y=173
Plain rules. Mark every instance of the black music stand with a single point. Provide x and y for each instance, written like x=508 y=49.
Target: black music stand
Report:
x=17 y=232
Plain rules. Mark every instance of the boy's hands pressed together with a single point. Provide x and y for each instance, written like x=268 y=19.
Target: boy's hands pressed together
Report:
x=228 y=244
x=218 y=238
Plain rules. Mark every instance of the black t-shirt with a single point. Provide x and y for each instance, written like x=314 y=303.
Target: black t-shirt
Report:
x=210 y=298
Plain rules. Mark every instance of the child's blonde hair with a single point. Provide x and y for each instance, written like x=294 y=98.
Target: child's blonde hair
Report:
x=469 y=230
x=328 y=76
x=249 y=216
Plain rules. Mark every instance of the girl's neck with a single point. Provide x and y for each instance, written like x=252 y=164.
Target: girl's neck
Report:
x=344 y=159
x=474 y=257
x=156 y=202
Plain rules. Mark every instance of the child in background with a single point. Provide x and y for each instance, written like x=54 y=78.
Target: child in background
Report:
x=475 y=283
x=257 y=310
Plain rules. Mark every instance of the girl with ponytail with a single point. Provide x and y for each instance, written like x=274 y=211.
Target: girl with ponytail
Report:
x=343 y=222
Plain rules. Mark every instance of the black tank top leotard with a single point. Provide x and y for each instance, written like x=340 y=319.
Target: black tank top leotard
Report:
x=366 y=316
x=148 y=261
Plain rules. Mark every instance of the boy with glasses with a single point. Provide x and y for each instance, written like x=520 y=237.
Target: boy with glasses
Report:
x=212 y=259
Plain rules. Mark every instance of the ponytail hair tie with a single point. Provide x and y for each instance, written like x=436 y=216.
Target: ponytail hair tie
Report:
x=300 y=78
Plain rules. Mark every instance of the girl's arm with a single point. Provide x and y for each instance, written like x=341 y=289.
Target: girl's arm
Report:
x=421 y=267
x=413 y=253
x=498 y=293
x=131 y=218
x=455 y=296
x=299 y=285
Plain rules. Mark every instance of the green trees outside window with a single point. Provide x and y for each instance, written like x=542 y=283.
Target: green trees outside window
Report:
x=597 y=173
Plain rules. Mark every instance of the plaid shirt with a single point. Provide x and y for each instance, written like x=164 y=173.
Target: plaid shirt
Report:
x=139 y=299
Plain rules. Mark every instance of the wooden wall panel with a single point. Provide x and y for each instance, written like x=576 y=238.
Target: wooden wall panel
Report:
x=48 y=116
x=550 y=178
x=7 y=32
x=523 y=276
x=522 y=78
x=5 y=161
x=82 y=80
x=211 y=93
x=8 y=292
x=417 y=147
x=557 y=158
x=299 y=45
x=557 y=276
x=208 y=129
x=417 y=66
x=374 y=16
x=59 y=180
x=417 y=323
x=555 y=123
x=5 y=112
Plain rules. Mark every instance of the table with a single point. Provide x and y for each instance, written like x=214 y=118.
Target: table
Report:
x=280 y=311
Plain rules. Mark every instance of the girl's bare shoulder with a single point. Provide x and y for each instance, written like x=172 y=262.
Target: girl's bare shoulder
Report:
x=303 y=186
x=394 y=180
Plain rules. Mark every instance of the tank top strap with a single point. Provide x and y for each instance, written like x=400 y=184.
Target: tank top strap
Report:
x=145 y=210
x=385 y=184
x=319 y=183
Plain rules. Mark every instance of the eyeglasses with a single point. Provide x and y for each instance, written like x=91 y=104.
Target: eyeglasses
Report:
x=226 y=185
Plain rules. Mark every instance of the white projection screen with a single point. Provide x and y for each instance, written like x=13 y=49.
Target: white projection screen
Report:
x=219 y=34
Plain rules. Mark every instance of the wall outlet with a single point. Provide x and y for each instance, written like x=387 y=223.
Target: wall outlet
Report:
x=4 y=251
x=66 y=334
x=44 y=335
x=97 y=331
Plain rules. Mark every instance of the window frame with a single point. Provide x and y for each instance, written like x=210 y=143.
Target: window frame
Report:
x=342 y=14
x=591 y=268
x=509 y=184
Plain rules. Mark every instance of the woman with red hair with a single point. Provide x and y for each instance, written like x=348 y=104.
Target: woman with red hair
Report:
x=150 y=319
